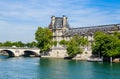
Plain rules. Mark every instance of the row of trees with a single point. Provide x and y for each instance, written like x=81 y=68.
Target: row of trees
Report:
x=43 y=37
x=18 y=44
x=104 y=44
x=107 y=45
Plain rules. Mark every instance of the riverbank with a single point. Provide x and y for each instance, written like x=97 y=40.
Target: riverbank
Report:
x=75 y=58
x=95 y=59
x=51 y=57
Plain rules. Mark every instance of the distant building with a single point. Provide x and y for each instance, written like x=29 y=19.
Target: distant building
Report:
x=62 y=30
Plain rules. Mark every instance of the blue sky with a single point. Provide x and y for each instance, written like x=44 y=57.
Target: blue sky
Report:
x=19 y=19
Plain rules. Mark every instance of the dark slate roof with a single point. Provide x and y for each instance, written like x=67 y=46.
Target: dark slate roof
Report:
x=92 y=29
x=58 y=23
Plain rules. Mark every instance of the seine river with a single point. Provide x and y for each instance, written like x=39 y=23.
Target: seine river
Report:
x=46 y=68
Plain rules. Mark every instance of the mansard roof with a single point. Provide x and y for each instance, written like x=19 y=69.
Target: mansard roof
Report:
x=58 y=22
x=92 y=29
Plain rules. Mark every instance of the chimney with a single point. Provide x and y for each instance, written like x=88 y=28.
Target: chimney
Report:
x=64 y=21
x=53 y=20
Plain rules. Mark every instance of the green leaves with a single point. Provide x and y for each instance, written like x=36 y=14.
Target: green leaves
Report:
x=32 y=44
x=73 y=48
x=55 y=43
x=63 y=42
x=80 y=40
x=74 y=45
x=10 y=44
x=44 y=38
x=106 y=45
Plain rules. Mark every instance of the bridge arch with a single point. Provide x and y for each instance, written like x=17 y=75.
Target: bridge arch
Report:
x=28 y=53
x=10 y=53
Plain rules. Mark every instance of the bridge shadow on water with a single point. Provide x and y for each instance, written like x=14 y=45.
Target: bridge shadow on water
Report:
x=30 y=54
x=5 y=57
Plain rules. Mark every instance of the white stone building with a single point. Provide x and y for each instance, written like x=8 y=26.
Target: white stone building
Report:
x=61 y=30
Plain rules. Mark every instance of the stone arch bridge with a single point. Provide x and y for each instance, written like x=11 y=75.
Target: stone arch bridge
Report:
x=18 y=51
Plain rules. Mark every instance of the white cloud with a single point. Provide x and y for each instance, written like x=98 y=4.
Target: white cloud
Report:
x=19 y=19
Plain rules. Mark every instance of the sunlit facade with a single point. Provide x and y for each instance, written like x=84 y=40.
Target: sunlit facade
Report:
x=62 y=30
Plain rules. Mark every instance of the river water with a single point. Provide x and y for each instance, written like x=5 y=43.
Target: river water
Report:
x=48 y=68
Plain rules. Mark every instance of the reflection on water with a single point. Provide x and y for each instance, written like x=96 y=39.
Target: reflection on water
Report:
x=45 y=68
x=3 y=57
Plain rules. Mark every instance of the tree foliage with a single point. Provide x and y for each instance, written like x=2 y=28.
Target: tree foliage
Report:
x=18 y=44
x=63 y=42
x=74 y=45
x=106 y=45
x=31 y=44
x=10 y=44
x=73 y=48
x=44 y=38
x=55 y=43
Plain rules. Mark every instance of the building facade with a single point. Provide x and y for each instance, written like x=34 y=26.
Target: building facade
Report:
x=62 y=31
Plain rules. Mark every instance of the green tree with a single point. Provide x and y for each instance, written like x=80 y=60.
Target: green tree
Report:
x=43 y=37
x=32 y=44
x=7 y=44
x=99 y=39
x=1 y=44
x=81 y=40
x=63 y=42
x=73 y=48
x=15 y=44
x=55 y=43
x=117 y=34
x=74 y=45
x=106 y=45
x=112 y=47
x=18 y=44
